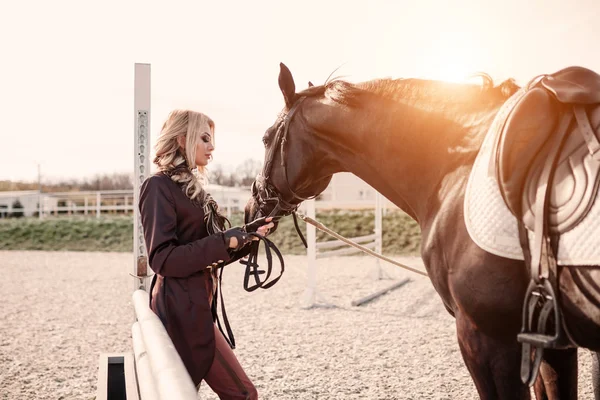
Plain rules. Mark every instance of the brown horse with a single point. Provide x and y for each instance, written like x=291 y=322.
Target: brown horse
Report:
x=415 y=141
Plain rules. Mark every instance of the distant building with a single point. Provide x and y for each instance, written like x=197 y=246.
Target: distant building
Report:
x=229 y=198
x=348 y=191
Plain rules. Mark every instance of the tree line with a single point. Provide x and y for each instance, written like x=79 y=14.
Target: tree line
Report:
x=243 y=175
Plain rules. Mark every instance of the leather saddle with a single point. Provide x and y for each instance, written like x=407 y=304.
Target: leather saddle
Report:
x=547 y=164
x=563 y=106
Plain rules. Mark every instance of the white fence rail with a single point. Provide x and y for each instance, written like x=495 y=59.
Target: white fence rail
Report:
x=153 y=372
x=98 y=202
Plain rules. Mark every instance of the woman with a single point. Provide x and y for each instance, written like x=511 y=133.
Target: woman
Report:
x=186 y=239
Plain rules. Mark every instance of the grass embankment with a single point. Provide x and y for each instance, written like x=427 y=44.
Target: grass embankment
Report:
x=401 y=234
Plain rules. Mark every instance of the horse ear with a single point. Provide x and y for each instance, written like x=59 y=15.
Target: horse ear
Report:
x=310 y=84
x=286 y=84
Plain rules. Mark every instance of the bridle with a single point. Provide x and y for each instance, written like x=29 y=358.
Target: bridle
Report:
x=263 y=190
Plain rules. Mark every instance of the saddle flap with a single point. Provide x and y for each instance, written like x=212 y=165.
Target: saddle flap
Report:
x=574 y=185
x=526 y=130
x=574 y=85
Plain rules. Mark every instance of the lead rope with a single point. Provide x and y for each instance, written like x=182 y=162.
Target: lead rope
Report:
x=336 y=235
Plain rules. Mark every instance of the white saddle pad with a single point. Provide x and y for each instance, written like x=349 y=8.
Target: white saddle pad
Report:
x=492 y=226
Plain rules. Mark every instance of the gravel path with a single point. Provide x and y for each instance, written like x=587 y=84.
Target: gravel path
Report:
x=60 y=310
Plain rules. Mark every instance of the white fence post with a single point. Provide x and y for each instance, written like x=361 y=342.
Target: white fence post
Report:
x=311 y=273
x=40 y=207
x=98 y=202
x=312 y=297
x=316 y=250
x=228 y=207
x=378 y=233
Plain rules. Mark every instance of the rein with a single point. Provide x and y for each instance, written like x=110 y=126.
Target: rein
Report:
x=252 y=267
x=252 y=271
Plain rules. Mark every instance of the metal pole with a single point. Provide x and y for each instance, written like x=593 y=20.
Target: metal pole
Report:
x=141 y=153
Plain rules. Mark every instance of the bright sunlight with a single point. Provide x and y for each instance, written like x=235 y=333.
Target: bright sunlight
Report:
x=453 y=58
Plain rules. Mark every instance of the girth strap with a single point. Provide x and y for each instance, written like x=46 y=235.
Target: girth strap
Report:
x=587 y=131
x=542 y=253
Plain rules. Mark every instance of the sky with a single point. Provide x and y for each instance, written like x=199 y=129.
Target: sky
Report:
x=67 y=67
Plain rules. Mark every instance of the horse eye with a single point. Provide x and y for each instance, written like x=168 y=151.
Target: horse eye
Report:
x=265 y=141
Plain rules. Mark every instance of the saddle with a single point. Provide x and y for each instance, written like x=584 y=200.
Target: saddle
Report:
x=574 y=85
x=525 y=143
x=547 y=165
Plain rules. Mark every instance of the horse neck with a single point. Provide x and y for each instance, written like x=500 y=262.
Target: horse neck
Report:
x=410 y=153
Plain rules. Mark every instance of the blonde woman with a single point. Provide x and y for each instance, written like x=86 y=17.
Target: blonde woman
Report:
x=185 y=235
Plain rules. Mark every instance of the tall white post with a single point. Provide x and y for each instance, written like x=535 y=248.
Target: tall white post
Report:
x=141 y=155
x=312 y=297
x=310 y=292
x=378 y=233
x=333 y=185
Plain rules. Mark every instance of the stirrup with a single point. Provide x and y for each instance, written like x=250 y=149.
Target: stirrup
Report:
x=540 y=295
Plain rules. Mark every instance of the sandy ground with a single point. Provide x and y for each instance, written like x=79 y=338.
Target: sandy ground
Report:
x=60 y=310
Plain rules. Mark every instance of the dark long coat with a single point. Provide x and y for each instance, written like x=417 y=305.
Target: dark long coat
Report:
x=179 y=252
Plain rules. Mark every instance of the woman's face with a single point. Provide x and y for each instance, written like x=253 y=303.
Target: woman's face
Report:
x=204 y=147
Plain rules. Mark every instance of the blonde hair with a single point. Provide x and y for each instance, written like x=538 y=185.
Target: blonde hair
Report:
x=171 y=159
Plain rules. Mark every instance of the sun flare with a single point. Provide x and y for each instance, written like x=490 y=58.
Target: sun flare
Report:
x=452 y=59
x=456 y=72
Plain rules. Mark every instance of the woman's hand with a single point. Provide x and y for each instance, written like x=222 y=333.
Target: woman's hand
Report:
x=260 y=226
x=236 y=238
x=263 y=230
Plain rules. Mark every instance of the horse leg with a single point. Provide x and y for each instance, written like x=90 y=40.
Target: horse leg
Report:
x=493 y=364
x=596 y=374
x=558 y=375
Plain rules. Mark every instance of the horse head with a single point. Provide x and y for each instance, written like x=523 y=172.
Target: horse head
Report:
x=295 y=167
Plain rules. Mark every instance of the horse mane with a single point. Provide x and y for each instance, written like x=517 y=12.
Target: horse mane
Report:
x=353 y=94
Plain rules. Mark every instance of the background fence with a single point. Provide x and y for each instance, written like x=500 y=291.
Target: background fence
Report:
x=96 y=203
